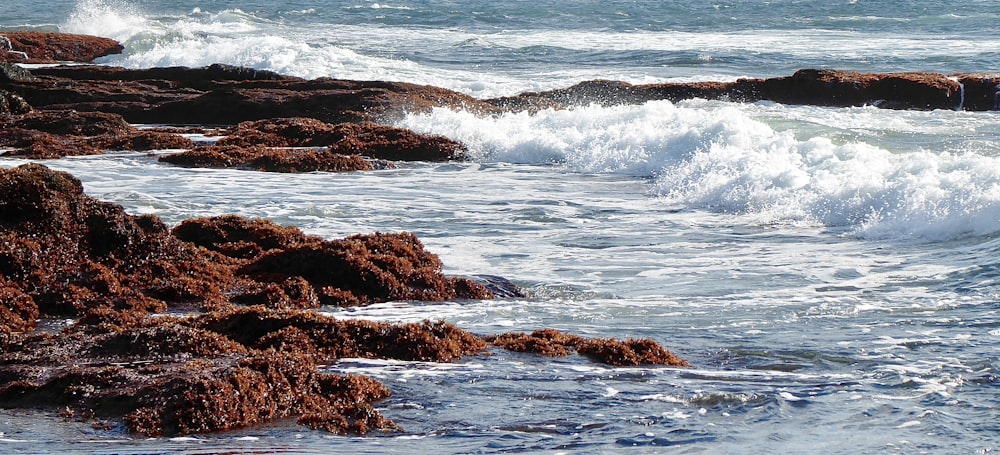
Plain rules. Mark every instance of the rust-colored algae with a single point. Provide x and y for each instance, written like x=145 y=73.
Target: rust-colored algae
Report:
x=629 y=352
x=360 y=138
x=333 y=339
x=551 y=342
x=56 y=134
x=366 y=269
x=241 y=347
x=270 y=159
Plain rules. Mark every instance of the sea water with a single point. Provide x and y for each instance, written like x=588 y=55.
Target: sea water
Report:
x=831 y=273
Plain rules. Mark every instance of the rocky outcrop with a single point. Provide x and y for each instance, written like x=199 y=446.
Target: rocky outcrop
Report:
x=981 y=91
x=56 y=134
x=224 y=95
x=227 y=95
x=269 y=159
x=41 y=47
x=921 y=91
x=849 y=88
x=249 y=349
x=364 y=138
x=550 y=342
x=69 y=253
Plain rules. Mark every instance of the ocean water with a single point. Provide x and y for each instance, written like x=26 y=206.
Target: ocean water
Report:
x=832 y=273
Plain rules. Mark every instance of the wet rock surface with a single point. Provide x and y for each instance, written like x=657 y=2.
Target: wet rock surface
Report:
x=550 y=342
x=224 y=95
x=208 y=326
x=269 y=159
x=41 y=47
x=363 y=138
x=818 y=87
x=56 y=134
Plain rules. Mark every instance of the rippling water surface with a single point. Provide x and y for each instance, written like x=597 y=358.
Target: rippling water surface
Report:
x=832 y=274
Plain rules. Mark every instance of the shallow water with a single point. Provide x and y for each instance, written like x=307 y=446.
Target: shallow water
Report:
x=830 y=273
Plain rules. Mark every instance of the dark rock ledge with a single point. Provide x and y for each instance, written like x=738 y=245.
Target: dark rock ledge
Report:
x=51 y=112
x=39 y=47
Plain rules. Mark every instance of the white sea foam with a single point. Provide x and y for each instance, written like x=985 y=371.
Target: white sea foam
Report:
x=115 y=19
x=721 y=157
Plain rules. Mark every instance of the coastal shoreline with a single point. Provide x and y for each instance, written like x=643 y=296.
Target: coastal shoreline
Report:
x=210 y=326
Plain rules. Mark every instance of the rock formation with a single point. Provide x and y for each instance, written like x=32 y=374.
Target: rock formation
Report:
x=41 y=47
x=550 y=342
x=363 y=138
x=269 y=159
x=835 y=88
x=208 y=326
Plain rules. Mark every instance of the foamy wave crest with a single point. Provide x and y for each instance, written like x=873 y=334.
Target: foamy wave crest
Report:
x=718 y=157
x=114 y=19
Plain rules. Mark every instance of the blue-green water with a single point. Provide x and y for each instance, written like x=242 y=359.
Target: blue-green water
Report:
x=831 y=273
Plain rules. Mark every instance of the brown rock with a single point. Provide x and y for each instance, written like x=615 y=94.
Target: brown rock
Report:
x=219 y=371
x=981 y=91
x=272 y=159
x=63 y=253
x=364 y=138
x=849 y=88
x=165 y=378
x=12 y=104
x=331 y=339
x=223 y=95
x=629 y=352
x=141 y=140
x=17 y=312
x=70 y=252
x=808 y=87
x=39 y=47
x=56 y=134
x=239 y=237
x=71 y=123
x=549 y=342
x=365 y=269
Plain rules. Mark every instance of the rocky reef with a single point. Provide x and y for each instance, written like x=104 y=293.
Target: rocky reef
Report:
x=57 y=111
x=817 y=87
x=57 y=134
x=210 y=326
x=269 y=159
x=551 y=342
x=40 y=47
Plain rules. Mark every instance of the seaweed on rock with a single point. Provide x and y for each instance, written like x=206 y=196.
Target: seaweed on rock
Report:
x=361 y=138
x=271 y=159
x=551 y=342
x=223 y=365
x=56 y=134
